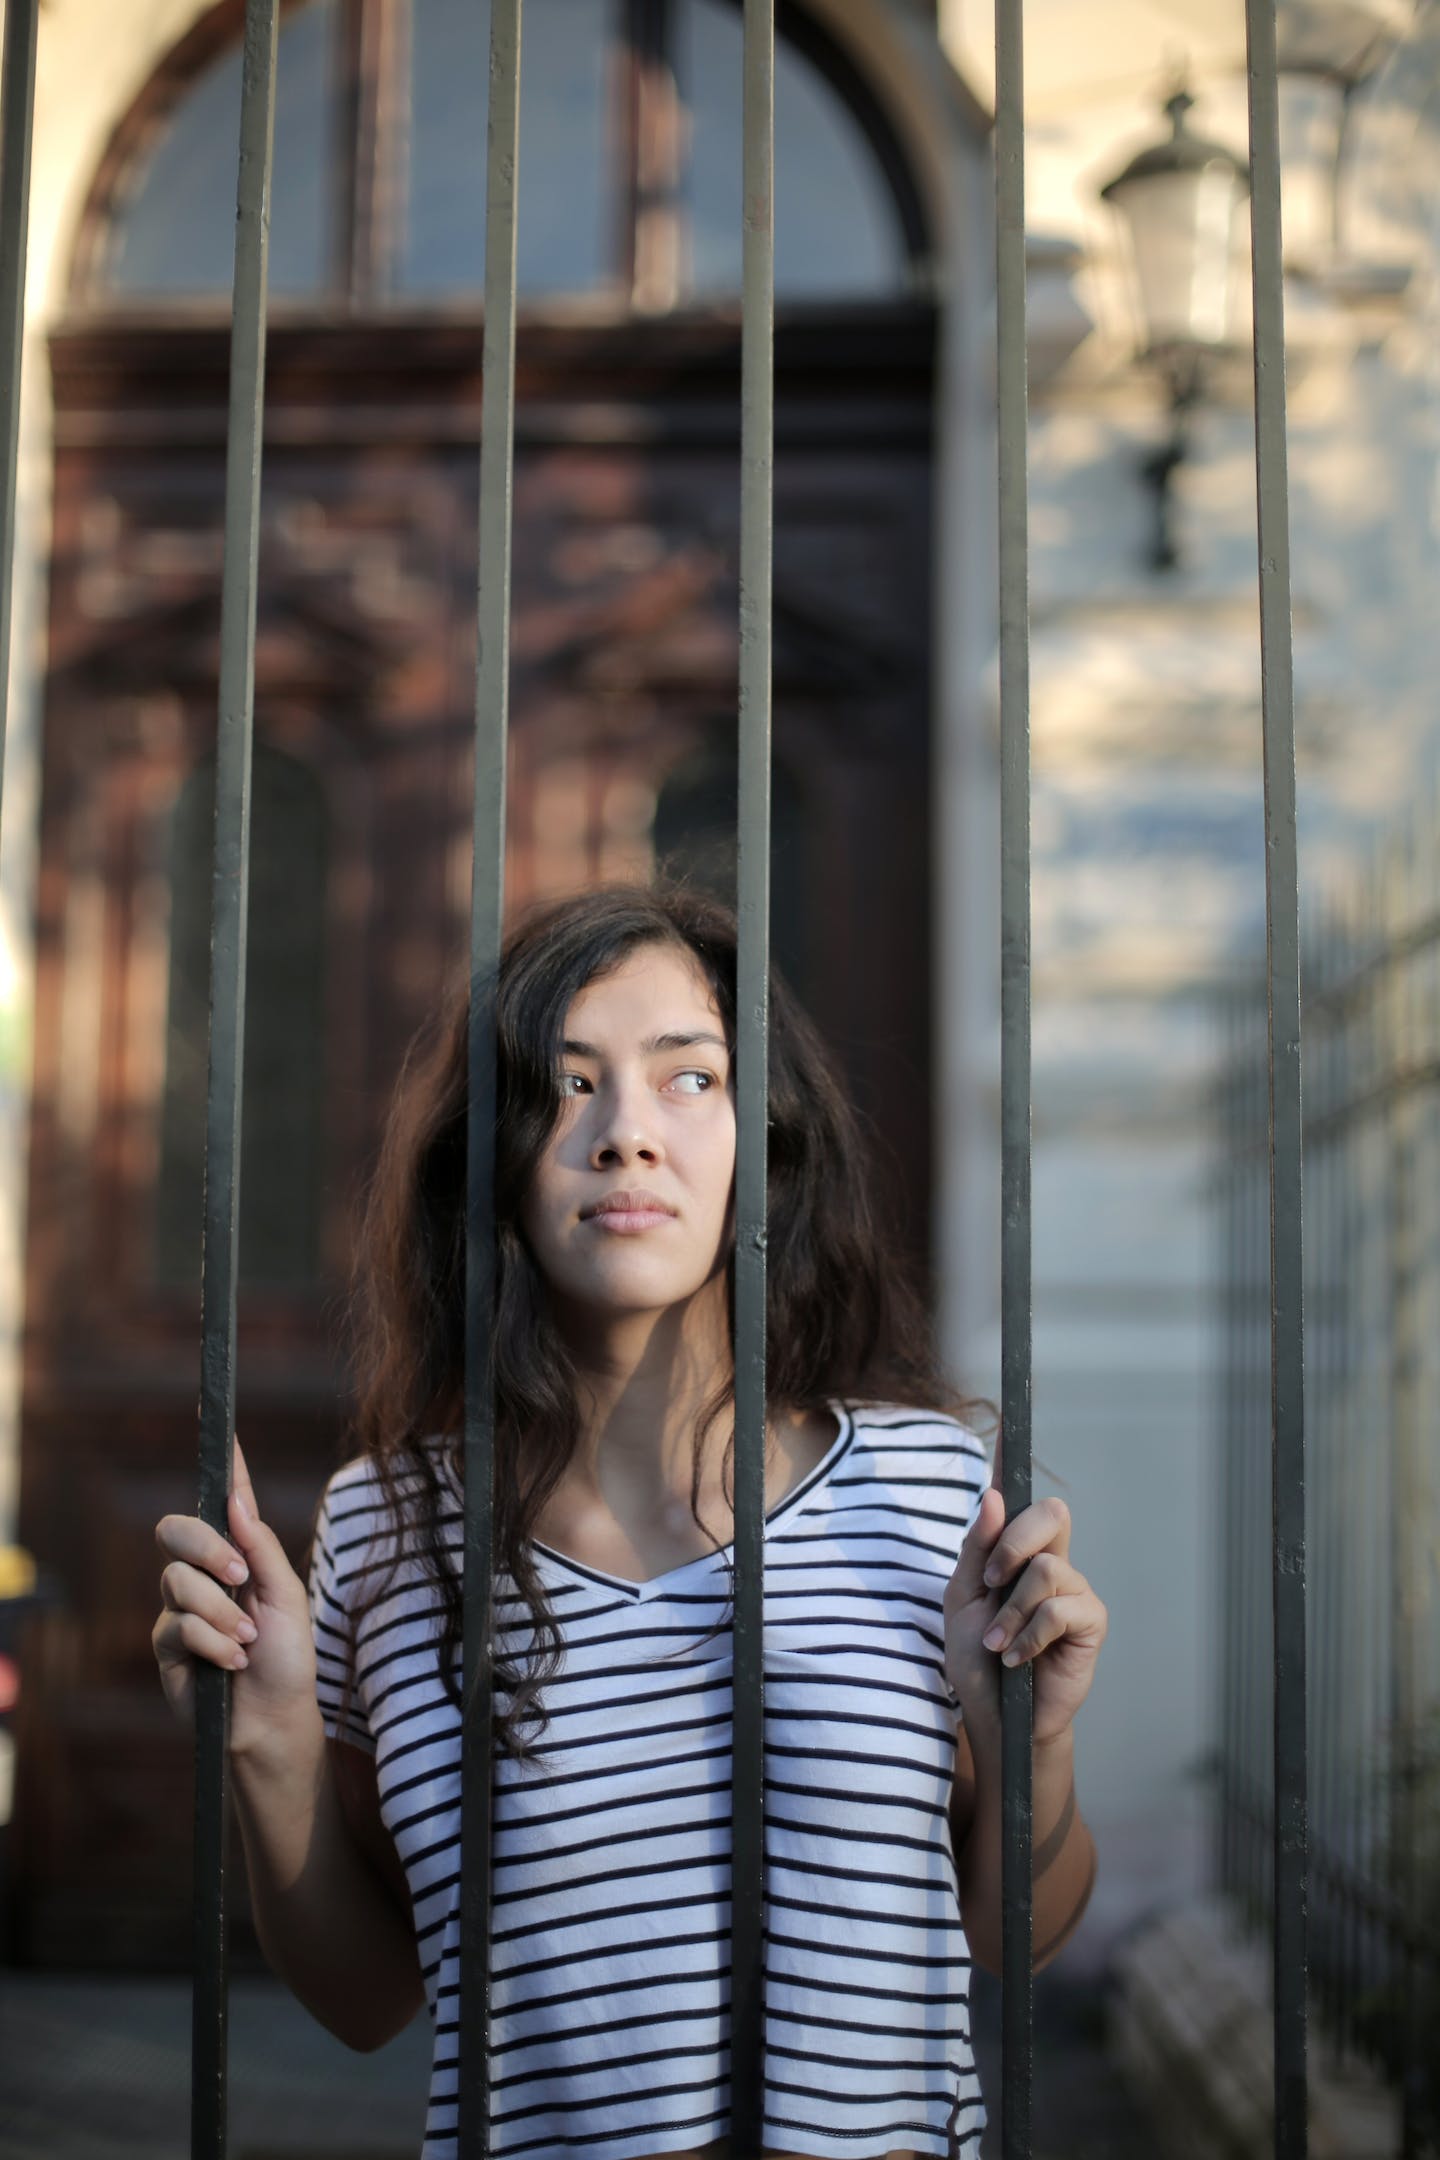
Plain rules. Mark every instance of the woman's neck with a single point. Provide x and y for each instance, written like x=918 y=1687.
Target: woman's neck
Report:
x=642 y=1380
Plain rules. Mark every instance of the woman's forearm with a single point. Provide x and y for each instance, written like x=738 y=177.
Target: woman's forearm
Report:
x=328 y=1926
x=1062 y=1853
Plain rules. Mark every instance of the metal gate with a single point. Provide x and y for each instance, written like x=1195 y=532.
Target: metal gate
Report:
x=227 y=1024
x=1372 y=1135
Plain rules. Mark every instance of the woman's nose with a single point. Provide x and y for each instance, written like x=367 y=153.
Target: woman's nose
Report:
x=625 y=1146
x=624 y=1129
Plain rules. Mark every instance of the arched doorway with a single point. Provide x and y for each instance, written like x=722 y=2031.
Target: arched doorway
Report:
x=624 y=692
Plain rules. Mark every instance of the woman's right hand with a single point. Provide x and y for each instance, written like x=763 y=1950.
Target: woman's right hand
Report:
x=263 y=1636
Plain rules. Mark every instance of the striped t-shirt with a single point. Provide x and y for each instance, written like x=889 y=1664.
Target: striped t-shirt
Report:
x=610 y=2024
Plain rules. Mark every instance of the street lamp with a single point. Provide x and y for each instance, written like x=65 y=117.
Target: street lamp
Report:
x=1178 y=201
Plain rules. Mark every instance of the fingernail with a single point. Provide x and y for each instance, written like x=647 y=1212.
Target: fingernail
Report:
x=992 y=1576
x=246 y=1630
x=1011 y=1657
x=245 y=1514
x=994 y=1638
x=237 y=1571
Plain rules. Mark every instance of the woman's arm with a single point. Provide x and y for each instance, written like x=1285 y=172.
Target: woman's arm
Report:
x=1062 y=1855
x=330 y=1927
x=327 y=1891
x=1016 y=1597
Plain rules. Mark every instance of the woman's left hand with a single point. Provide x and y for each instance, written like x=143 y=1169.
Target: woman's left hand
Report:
x=1050 y=1614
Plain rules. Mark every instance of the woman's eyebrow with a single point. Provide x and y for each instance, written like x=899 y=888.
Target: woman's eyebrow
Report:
x=676 y=1039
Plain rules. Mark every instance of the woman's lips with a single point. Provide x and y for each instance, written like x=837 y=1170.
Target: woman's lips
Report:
x=626 y=1220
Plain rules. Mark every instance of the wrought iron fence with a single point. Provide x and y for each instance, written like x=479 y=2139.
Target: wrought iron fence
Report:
x=1372 y=1258
x=227 y=1027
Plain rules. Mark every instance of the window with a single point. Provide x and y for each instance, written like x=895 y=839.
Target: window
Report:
x=568 y=212
x=629 y=161
x=837 y=225
x=176 y=231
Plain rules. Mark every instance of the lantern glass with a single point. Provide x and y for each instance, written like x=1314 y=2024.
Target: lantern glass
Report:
x=1181 y=233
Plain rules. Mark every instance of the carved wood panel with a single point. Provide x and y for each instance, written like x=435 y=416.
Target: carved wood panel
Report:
x=623 y=728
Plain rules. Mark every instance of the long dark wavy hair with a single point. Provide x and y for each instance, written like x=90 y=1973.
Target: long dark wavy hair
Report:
x=844 y=1318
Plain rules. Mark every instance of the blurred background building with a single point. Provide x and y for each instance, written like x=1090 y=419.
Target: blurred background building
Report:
x=1148 y=836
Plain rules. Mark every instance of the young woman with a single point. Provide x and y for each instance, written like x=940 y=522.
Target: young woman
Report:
x=892 y=1586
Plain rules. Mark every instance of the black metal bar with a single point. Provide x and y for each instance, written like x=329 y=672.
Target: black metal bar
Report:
x=1408 y=1568
x=1282 y=938
x=1391 y=1087
x=1332 y=1531
x=17 y=120
x=492 y=719
x=1229 y=1108
x=1367 y=1197
x=1378 y=1901
x=1016 y=1685
x=227 y=1041
x=1258 y=1622
x=1350 y=1538
x=757 y=455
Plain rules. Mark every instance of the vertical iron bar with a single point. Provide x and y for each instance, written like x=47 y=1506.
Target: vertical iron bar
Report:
x=1259 y=1545
x=757 y=458
x=17 y=120
x=1347 y=1589
x=1359 y=1588
x=1329 y=1526
x=1407 y=1452
x=492 y=720
x=1016 y=1685
x=230 y=895
x=1374 y=1391
x=1240 y=1458
x=1426 y=893
x=1233 y=1275
x=1282 y=938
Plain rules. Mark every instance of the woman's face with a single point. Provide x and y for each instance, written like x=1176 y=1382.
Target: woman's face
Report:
x=650 y=1111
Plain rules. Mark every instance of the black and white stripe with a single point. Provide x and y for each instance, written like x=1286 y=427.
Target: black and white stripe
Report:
x=610 y=1921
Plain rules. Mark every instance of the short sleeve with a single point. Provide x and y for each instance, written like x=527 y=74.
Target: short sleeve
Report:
x=966 y=1482
x=341 y=1535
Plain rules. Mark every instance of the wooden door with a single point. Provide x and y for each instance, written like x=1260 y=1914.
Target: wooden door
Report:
x=623 y=741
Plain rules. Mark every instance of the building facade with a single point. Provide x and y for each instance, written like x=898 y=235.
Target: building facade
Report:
x=1148 y=837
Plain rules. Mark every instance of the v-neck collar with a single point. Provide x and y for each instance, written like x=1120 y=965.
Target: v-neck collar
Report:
x=787 y=1505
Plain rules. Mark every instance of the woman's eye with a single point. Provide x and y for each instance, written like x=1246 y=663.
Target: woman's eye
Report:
x=707 y=1077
